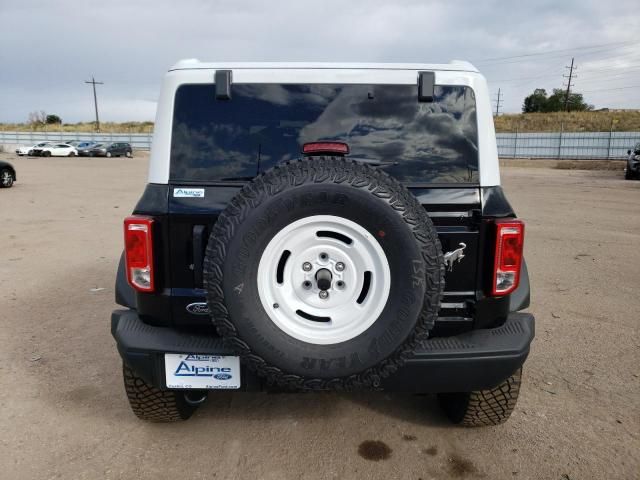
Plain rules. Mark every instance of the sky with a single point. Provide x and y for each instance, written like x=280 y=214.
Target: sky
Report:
x=50 y=48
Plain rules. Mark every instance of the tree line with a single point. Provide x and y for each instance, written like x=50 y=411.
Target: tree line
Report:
x=540 y=102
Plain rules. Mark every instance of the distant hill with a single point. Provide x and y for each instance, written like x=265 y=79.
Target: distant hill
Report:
x=623 y=121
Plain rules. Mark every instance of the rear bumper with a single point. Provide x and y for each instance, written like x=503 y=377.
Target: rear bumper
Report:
x=475 y=360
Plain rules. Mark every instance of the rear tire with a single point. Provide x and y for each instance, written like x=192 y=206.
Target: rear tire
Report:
x=152 y=404
x=128 y=155
x=6 y=178
x=46 y=154
x=483 y=408
x=71 y=154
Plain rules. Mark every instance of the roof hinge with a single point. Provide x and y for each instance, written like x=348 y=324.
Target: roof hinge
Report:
x=223 y=84
x=426 y=85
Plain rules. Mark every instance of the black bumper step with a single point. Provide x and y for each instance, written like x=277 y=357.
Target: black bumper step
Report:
x=475 y=360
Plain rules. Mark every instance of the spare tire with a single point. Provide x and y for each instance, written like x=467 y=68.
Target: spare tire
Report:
x=324 y=273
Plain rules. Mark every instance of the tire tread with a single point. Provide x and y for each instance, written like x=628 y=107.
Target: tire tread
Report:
x=152 y=404
x=337 y=171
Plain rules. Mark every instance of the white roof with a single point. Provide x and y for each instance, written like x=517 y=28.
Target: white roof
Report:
x=193 y=71
x=453 y=66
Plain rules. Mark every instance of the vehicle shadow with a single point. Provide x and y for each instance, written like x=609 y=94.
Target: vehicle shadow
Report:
x=417 y=409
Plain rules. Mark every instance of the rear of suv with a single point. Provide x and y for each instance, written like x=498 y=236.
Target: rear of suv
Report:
x=323 y=227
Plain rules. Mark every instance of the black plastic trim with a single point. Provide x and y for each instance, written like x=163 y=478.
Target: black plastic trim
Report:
x=223 y=84
x=474 y=360
x=125 y=294
x=521 y=297
x=426 y=86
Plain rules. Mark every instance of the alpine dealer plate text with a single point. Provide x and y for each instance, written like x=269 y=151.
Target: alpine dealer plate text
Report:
x=201 y=371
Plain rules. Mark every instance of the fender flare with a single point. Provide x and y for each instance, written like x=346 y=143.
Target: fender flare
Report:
x=521 y=297
x=125 y=294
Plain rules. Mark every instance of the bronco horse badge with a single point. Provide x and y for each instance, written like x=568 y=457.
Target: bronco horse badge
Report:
x=451 y=257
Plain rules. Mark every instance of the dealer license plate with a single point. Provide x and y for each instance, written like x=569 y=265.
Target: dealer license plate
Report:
x=185 y=370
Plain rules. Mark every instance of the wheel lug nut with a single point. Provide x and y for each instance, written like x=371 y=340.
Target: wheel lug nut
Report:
x=323 y=294
x=306 y=266
x=306 y=284
x=339 y=266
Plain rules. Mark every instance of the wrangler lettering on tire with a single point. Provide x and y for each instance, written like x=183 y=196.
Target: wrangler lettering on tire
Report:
x=342 y=274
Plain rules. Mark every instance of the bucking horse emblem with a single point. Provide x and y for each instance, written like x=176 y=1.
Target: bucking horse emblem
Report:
x=456 y=255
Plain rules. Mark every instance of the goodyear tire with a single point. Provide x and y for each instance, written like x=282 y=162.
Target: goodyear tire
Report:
x=152 y=404
x=324 y=273
x=483 y=407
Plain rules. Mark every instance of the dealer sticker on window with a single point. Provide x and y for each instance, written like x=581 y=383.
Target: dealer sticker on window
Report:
x=184 y=370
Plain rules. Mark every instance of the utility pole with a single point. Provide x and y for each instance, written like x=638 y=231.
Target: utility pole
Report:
x=95 y=100
x=498 y=104
x=569 y=85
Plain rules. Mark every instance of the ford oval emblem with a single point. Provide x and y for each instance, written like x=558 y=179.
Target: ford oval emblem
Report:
x=222 y=376
x=198 y=308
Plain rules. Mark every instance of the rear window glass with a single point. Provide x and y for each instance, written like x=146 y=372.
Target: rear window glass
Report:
x=265 y=124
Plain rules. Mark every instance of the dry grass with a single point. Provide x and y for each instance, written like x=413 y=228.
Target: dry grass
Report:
x=627 y=121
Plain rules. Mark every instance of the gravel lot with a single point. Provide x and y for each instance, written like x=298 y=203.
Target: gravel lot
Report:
x=64 y=413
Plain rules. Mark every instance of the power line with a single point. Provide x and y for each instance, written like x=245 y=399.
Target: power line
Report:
x=548 y=52
x=95 y=99
x=611 y=89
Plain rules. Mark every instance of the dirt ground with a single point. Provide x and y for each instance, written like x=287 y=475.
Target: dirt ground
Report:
x=64 y=413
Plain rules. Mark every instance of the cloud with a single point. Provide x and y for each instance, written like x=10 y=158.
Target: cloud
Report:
x=51 y=48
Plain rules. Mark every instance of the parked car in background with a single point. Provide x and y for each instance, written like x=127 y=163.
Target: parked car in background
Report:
x=59 y=150
x=115 y=149
x=7 y=175
x=25 y=150
x=632 y=170
x=84 y=149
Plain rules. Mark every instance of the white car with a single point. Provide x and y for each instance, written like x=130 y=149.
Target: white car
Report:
x=30 y=150
x=59 y=150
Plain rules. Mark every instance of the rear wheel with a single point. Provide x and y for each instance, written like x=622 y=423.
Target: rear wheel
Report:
x=46 y=154
x=6 y=178
x=108 y=155
x=152 y=404
x=128 y=154
x=72 y=154
x=482 y=408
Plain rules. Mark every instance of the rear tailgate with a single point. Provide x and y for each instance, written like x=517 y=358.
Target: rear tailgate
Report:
x=454 y=212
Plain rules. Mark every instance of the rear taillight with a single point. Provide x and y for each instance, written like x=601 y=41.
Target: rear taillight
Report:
x=138 y=247
x=508 y=257
x=336 y=148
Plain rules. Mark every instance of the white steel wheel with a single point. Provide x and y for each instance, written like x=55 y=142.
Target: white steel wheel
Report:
x=323 y=279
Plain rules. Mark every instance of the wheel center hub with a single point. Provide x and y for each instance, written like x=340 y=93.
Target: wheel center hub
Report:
x=323 y=279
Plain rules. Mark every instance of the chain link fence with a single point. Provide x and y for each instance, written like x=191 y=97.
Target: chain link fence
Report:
x=11 y=140
x=553 y=145
x=564 y=145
